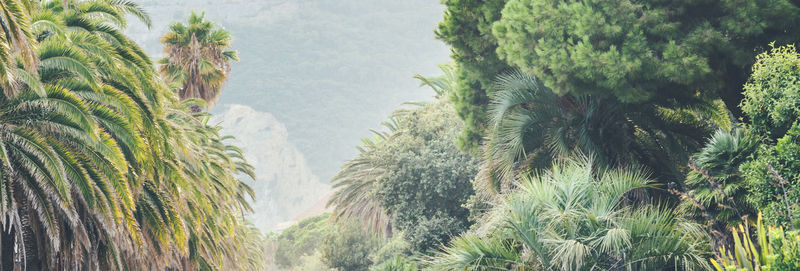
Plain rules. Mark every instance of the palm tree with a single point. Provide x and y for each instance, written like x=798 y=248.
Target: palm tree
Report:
x=102 y=168
x=442 y=85
x=356 y=185
x=574 y=217
x=530 y=126
x=74 y=181
x=198 y=59
x=715 y=189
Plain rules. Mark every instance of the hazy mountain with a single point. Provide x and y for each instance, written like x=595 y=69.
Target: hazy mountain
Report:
x=286 y=186
x=327 y=70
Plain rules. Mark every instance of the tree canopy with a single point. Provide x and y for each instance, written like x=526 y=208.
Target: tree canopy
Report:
x=467 y=28
x=663 y=52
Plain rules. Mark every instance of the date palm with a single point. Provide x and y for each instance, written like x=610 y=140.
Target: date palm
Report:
x=102 y=167
x=198 y=58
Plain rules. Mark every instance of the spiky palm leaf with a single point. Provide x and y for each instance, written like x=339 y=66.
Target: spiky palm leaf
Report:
x=715 y=190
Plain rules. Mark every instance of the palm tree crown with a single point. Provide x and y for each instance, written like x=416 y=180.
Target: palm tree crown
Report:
x=198 y=59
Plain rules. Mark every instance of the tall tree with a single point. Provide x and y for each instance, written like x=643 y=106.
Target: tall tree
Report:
x=662 y=52
x=198 y=58
x=102 y=168
x=466 y=27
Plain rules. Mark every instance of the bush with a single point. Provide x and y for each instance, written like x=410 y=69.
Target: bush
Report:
x=300 y=240
x=772 y=96
x=772 y=177
x=347 y=246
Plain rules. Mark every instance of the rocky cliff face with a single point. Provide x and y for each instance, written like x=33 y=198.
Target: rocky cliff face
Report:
x=285 y=186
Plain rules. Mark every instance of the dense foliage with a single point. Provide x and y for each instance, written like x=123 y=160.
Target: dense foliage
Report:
x=467 y=28
x=634 y=51
x=773 y=177
x=573 y=218
x=102 y=166
x=427 y=179
x=716 y=192
x=107 y=163
x=638 y=86
x=771 y=103
x=654 y=51
x=300 y=240
x=772 y=96
x=773 y=249
x=347 y=246
x=531 y=126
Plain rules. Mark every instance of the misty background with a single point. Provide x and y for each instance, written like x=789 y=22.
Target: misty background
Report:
x=314 y=77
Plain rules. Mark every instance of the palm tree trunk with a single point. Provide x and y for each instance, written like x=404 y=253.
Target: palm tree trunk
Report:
x=6 y=249
x=28 y=243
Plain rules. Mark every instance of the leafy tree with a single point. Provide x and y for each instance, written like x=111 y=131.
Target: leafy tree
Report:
x=198 y=59
x=771 y=100
x=466 y=27
x=412 y=178
x=348 y=246
x=772 y=96
x=716 y=191
x=661 y=52
x=427 y=179
x=300 y=240
x=772 y=178
x=573 y=217
x=531 y=126
x=410 y=173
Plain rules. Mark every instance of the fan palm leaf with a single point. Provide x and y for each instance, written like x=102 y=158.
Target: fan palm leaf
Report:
x=530 y=127
x=578 y=217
